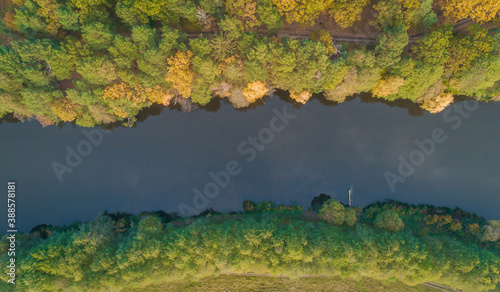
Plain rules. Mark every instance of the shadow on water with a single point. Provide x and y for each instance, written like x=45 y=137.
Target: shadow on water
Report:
x=215 y=104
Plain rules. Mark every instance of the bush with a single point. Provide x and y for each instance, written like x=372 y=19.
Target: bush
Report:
x=390 y=221
x=318 y=201
x=332 y=212
x=350 y=217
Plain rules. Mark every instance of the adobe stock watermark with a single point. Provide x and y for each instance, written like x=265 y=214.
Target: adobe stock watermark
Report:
x=249 y=149
x=453 y=116
x=83 y=148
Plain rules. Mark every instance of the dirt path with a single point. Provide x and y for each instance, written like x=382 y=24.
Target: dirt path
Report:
x=363 y=40
x=363 y=35
x=427 y=284
x=439 y=287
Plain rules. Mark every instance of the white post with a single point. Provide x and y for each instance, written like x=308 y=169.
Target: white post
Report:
x=350 y=196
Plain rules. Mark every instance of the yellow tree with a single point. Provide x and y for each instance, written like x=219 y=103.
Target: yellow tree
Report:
x=8 y=19
x=479 y=10
x=346 y=12
x=435 y=99
x=302 y=11
x=438 y=103
x=48 y=9
x=302 y=96
x=156 y=94
x=180 y=73
x=244 y=11
x=45 y=121
x=255 y=90
x=123 y=99
x=66 y=110
x=387 y=86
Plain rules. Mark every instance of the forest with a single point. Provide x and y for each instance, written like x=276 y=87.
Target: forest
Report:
x=389 y=241
x=101 y=62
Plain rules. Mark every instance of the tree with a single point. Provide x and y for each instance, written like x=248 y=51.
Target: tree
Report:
x=481 y=77
x=302 y=11
x=434 y=47
x=391 y=43
x=480 y=11
x=388 y=85
x=248 y=207
x=389 y=15
x=125 y=101
x=318 y=201
x=166 y=11
x=255 y=90
x=418 y=76
x=129 y=15
x=346 y=12
x=332 y=212
x=88 y=6
x=97 y=35
x=27 y=21
x=180 y=73
x=435 y=99
x=325 y=39
x=350 y=217
x=124 y=52
x=144 y=37
x=65 y=110
x=223 y=46
x=390 y=221
x=97 y=70
x=362 y=75
x=269 y=15
x=465 y=49
x=491 y=232
x=301 y=97
x=48 y=10
x=68 y=18
x=244 y=11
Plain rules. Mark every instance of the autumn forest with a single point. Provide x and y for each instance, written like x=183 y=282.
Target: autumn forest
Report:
x=104 y=63
x=101 y=62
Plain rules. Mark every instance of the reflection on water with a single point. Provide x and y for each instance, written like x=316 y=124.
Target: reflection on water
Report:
x=328 y=147
x=215 y=104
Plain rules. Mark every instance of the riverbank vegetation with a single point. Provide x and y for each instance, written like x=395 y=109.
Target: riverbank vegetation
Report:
x=101 y=62
x=387 y=241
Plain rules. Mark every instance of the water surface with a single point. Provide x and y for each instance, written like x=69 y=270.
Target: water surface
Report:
x=324 y=149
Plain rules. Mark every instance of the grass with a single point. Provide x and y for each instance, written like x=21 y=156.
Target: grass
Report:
x=235 y=283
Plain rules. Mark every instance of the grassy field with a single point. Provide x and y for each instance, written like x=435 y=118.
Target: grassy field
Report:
x=258 y=283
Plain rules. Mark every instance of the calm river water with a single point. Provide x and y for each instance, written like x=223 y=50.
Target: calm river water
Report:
x=183 y=162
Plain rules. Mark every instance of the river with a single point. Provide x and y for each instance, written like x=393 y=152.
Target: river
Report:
x=277 y=151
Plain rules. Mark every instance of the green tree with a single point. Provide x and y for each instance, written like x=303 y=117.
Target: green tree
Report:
x=269 y=15
x=27 y=21
x=465 y=49
x=144 y=37
x=88 y=6
x=434 y=47
x=97 y=70
x=350 y=217
x=97 y=35
x=390 y=221
x=391 y=43
x=318 y=201
x=68 y=18
x=332 y=212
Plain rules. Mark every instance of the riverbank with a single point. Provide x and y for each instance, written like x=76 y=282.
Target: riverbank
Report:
x=388 y=241
x=97 y=68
